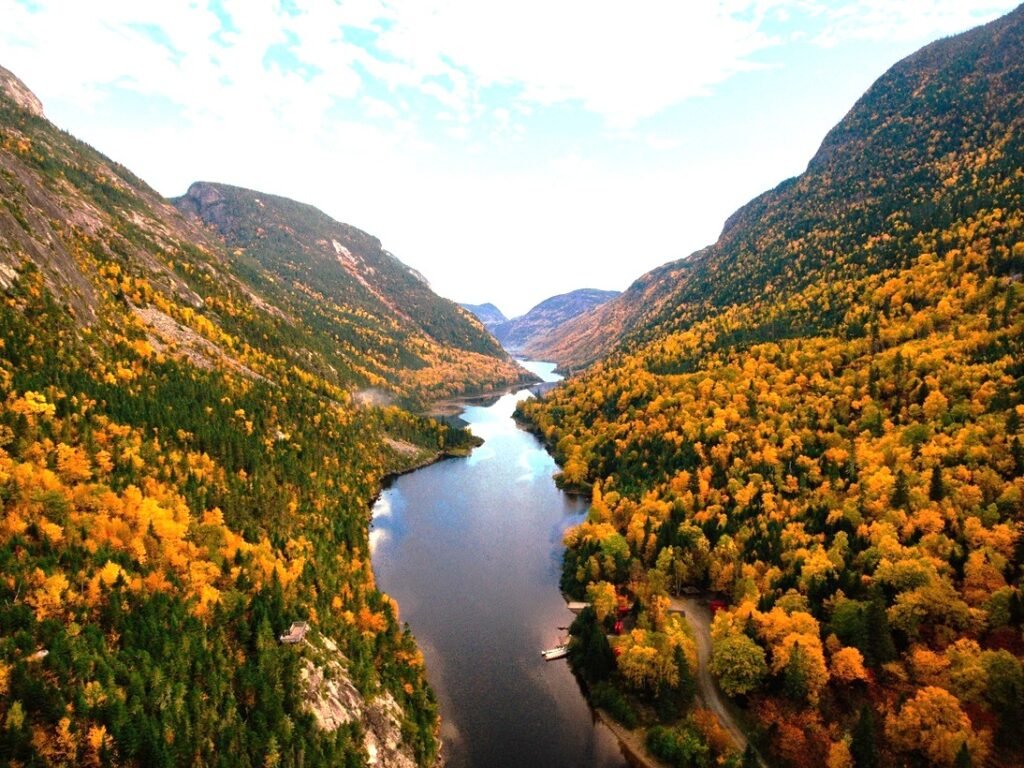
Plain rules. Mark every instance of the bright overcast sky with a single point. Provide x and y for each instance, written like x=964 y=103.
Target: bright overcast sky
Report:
x=509 y=151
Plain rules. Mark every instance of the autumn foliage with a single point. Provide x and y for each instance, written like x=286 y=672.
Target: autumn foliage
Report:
x=820 y=422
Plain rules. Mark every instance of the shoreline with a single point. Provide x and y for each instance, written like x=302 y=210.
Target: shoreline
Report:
x=633 y=743
x=453 y=406
x=388 y=480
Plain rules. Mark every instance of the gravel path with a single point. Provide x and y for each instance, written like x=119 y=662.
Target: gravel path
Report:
x=699 y=617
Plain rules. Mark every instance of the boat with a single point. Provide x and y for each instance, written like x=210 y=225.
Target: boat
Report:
x=558 y=652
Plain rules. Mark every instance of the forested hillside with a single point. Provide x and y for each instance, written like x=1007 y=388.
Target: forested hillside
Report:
x=488 y=314
x=910 y=156
x=185 y=470
x=369 y=317
x=818 y=419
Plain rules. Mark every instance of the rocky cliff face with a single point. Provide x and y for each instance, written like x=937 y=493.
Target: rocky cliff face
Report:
x=334 y=701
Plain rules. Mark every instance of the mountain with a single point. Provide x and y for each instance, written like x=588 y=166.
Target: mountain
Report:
x=818 y=421
x=545 y=319
x=370 y=316
x=189 y=446
x=901 y=138
x=488 y=314
x=522 y=334
x=583 y=338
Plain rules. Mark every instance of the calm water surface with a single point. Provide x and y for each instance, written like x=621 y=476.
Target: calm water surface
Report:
x=471 y=550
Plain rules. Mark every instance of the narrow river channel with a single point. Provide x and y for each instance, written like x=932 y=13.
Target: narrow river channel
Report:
x=471 y=550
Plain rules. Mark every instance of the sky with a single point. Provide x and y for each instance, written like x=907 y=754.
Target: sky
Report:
x=509 y=151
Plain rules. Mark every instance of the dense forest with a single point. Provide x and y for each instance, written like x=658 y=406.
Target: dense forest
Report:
x=818 y=422
x=186 y=467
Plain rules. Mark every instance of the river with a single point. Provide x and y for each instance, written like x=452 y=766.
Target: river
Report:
x=471 y=550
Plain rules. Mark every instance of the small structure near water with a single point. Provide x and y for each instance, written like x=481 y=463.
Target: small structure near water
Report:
x=576 y=606
x=295 y=633
x=558 y=652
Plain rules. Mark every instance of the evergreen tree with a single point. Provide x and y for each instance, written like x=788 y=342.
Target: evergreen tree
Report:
x=901 y=492
x=862 y=744
x=687 y=684
x=936 y=489
x=1016 y=608
x=1018 y=456
x=963 y=757
x=794 y=677
x=881 y=647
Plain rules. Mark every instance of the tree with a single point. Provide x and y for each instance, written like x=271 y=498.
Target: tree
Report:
x=880 y=646
x=936 y=489
x=1005 y=690
x=589 y=651
x=603 y=598
x=901 y=491
x=739 y=664
x=863 y=744
x=933 y=724
x=848 y=665
x=795 y=675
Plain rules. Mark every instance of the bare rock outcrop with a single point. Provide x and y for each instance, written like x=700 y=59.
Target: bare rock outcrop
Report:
x=333 y=700
x=19 y=93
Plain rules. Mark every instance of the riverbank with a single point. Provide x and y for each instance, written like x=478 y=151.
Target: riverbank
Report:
x=633 y=743
x=429 y=459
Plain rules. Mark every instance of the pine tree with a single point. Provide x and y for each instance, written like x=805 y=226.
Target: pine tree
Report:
x=901 y=492
x=1018 y=456
x=881 y=648
x=687 y=685
x=862 y=744
x=795 y=682
x=1016 y=608
x=936 y=489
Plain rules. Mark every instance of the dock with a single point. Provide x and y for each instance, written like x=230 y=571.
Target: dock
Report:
x=558 y=652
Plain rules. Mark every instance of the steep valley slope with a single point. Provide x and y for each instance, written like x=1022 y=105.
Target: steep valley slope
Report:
x=818 y=420
x=186 y=468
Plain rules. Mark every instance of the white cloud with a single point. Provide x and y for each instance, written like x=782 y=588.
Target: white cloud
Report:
x=371 y=149
x=624 y=62
x=883 y=20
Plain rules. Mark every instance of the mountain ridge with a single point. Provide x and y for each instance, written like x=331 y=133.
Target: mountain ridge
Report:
x=523 y=334
x=488 y=314
x=856 y=141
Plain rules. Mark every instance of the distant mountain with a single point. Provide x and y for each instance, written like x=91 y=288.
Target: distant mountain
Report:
x=543 y=322
x=189 y=445
x=546 y=319
x=488 y=314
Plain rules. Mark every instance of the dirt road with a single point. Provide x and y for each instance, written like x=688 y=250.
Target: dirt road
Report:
x=699 y=617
